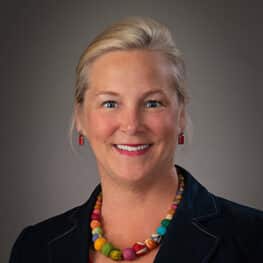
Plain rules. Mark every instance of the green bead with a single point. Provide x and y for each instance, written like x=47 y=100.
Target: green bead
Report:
x=165 y=222
x=115 y=254
x=97 y=230
x=106 y=249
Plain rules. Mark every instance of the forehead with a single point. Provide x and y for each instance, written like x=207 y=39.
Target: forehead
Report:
x=140 y=67
x=137 y=56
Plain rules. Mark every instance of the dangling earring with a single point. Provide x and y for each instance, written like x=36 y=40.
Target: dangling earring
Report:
x=181 y=138
x=81 y=139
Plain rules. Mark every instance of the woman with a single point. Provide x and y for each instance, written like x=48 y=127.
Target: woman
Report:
x=130 y=105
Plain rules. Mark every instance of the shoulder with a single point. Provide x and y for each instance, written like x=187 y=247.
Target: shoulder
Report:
x=206 y=206
x=237 y=214
x=48 y=229
x=32 y=242
x=239 y=227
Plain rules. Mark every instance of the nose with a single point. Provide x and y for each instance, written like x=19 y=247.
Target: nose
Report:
x=131 y=121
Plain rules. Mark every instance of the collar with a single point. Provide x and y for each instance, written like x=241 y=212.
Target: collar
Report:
x=187 y=238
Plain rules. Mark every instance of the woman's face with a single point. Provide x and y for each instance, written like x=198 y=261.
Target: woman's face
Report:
x=131 y=115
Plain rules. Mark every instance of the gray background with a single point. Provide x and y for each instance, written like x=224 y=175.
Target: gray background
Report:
x=41 y=42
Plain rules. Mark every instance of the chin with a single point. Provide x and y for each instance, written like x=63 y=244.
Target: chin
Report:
x=132 y=175
x=130 y=171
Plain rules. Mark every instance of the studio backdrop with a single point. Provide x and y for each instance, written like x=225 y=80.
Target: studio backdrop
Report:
x=41 y=42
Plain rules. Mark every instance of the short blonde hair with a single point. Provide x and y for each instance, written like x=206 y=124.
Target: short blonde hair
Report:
x=129 y=34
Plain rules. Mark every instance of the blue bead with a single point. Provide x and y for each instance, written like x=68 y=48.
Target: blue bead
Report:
x=161 y=230
x=95 y=236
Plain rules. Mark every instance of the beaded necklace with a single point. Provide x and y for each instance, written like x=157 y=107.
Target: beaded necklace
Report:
x=101 y=244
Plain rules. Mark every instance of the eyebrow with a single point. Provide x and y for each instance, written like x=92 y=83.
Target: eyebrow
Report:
x=106 y=93
x=112 y=93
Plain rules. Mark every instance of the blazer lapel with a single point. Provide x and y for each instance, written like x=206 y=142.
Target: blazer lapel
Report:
x=73 y=242
x=187 y=239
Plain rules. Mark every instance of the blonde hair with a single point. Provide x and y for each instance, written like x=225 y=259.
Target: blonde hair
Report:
x=129 y=34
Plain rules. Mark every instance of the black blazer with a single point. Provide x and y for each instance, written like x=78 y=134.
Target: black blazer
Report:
x=206 y=228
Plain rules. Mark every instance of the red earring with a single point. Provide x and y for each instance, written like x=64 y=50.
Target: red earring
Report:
x=181 y=138
x=81 y=140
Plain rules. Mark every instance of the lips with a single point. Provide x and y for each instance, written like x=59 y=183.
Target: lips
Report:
x=132 y=149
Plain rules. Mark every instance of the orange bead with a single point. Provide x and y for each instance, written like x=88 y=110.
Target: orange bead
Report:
x=94 y=224
x=97 y=207
x=171 y=211
x=98 y=244
x=98 y=202
x=150 y=244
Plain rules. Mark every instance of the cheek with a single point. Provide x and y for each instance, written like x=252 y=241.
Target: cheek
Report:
x=164 y=125
x=99 y=126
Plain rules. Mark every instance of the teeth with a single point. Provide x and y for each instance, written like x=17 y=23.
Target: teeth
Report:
x=132 y=148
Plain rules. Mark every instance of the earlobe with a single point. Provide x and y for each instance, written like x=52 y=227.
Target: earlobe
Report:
x=77 y=117
x=78 y=126
x=182 y=119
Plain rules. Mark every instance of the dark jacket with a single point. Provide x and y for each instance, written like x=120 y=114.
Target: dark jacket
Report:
x=205 y=228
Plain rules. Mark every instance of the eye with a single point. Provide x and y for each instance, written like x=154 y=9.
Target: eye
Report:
x=153 y=104
x=109 y=104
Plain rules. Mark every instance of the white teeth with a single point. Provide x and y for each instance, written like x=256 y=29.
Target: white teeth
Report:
x=132 y=148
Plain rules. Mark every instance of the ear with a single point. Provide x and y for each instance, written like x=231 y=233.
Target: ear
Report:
x=78 y=119
x=181 y=118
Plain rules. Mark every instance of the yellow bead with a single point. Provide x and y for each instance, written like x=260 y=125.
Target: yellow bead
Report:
x=99 y=243
x=115 y=254
x=178 y=197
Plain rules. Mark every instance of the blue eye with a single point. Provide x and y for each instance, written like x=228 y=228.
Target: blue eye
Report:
x=153 y=104
x=109 y=104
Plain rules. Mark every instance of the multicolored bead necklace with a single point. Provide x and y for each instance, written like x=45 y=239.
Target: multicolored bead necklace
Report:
x=139 y=248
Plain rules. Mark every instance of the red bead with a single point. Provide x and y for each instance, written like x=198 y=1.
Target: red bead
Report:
x=139 y=248
x=96 y=211
x=95 y=217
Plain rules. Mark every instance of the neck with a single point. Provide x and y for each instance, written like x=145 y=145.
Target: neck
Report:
x=137 y=198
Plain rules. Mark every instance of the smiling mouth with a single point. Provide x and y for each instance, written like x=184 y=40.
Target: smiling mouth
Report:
x=132 y=149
